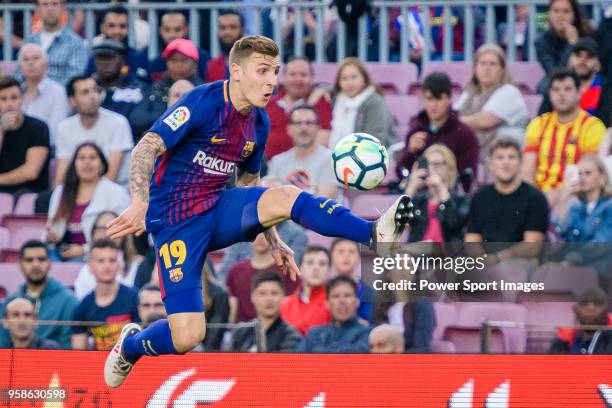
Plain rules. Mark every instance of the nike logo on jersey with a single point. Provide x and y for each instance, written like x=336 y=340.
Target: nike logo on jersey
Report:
x=214 y=165
x=214 y=139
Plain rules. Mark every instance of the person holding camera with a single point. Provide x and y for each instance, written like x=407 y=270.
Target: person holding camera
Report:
x=440 y=212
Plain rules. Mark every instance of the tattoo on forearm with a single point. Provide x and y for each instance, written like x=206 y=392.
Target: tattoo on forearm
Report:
x=271 y=236
x=143 y=161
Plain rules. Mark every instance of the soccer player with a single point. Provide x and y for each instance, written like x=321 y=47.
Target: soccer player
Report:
x=178 y=176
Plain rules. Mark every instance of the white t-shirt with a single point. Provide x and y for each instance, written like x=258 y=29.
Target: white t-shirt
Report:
x=47 y=38
x=307 y=173
x=506 y=103
x=111 y=133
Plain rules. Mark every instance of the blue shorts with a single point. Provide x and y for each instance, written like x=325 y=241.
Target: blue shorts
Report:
x=181 y=249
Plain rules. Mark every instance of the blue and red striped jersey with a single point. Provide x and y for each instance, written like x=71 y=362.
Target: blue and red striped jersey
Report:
x=206 y=138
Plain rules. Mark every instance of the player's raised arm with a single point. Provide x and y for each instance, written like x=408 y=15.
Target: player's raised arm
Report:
x=132 y=220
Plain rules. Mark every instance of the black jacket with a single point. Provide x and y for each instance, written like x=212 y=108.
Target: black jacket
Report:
x=603 y=344
x=453 y=215
x=279 y=337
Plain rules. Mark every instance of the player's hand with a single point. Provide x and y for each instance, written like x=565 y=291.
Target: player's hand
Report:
x=131 y=221
x=285 y=259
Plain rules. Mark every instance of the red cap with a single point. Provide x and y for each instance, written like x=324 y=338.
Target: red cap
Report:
x=184 y=46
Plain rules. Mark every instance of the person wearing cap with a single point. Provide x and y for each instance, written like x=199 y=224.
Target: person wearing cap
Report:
x=174 y=26
x=121 y=91
x=115 y=25
x=182 y=59
x=590 y=309
x=596 y=95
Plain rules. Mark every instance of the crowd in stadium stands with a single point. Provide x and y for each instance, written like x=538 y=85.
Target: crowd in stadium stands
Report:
x=480 y=166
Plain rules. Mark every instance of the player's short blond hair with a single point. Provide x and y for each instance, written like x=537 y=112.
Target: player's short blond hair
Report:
x=244 y=47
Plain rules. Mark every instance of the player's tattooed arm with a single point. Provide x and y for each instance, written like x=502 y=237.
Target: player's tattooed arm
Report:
x=143 y=162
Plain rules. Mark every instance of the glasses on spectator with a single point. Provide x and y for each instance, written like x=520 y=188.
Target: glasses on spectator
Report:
x=304 y=122
x=151 y=305
x=35 y=258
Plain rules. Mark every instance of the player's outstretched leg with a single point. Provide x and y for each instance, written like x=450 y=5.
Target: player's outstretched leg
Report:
x=326 y=217
x=178 y=334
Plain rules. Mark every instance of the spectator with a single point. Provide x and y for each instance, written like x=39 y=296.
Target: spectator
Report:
x=231 y=28
x=24 y=152
x=359 y=105
x=384 y=339
x=216 y=304
x=110 y=302
x=558 y=139
x=345 y=334
x=307 y=165
x=307 y=306
x=298 y=89
x=122 y=91
x=76 y=203
x=439 y=123
x=590 y=218
x=603 y=34
x=129 y=260
x=241 y=306
x=43 y=98
x=109 y=130
x=591 y=308
x=567 y=25
x=20 y=322
x=596 y=95
x=150 y=305
x=66 y=52
x=173 y=27
x=291 y=233
x=177 y=90
x=267 y=296
x=115 y=25
x=52 y=300
x=508 y=212
x=490 y=104
x=414 y=318
x=182 y=57
x=440 y=211
x=345 y=261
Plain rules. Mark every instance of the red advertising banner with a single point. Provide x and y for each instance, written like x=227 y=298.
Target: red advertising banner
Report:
x=291 y=380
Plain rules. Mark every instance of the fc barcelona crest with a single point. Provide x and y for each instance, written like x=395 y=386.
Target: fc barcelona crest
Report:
x=176 y=275
x=248 y=148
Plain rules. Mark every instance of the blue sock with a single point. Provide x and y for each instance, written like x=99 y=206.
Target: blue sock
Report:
x=152 y=341
x=326 y=217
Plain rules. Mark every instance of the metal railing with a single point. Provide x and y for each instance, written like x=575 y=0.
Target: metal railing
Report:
x=465 y=10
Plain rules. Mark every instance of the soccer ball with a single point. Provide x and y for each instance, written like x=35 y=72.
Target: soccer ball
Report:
x=360 y=161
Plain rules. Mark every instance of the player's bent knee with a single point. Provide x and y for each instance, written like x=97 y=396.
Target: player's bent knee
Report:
x=283 y=199
x=187 y=331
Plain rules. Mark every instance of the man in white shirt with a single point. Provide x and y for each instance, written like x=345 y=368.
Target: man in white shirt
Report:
x=308 y=164
x=66 y=51
x=43 y=98
x=109 y=130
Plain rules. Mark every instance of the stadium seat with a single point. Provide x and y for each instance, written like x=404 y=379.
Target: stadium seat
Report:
x=393 y=78
x=6 y=204
x=446 y=315
x=316 y=239
x=391 y=175
x=403 y=107
x=5 y=237
x=533 y=103
x=325 y=72
x=25 y=204
x=562 y=283
x=442 y=346
x=526 y=75
x=370 y=205
x=9 y=255
x=458 y=72
x=542 y=319
x=25 y=233
x=66 y=272
x=10 y=277
x=466 y=339
x=8 y=67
